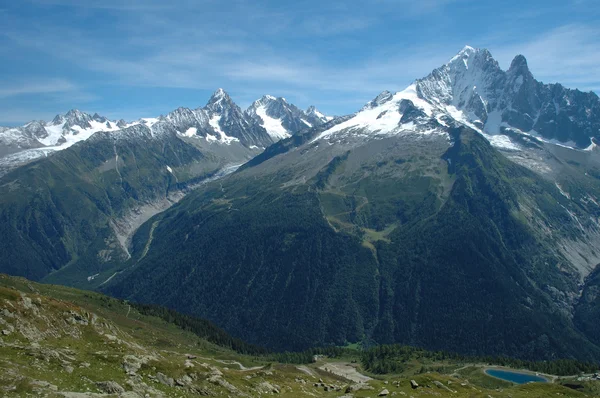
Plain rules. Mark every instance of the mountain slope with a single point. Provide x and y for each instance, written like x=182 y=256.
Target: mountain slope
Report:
x=78 y=207
x=69 y=217
x=400 y=223
x=368 y=250
x=63 y=342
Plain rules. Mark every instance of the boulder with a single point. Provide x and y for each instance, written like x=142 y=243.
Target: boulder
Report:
x=184 y=381
x=384 y=393
x=110 y=387
x=164 y=379
x=357 y=387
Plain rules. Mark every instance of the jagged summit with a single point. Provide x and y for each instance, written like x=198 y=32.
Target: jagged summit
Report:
x=282 y=119
x=466 y=51
x=379 y=100
x=220 y=93
x=519 y=66
x=219 y=101
x=472 y=89
x=518 y=62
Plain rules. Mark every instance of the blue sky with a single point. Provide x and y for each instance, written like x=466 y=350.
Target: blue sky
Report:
x=141 y=58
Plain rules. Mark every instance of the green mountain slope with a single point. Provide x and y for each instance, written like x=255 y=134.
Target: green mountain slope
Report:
x=63 y=342
x=71 y=212
x=428 y=241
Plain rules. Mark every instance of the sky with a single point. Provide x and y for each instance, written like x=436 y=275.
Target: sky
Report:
x=143 y=58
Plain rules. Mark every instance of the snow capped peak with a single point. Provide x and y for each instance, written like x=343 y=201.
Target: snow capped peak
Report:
x=268 y=99
x=470 y=57
x=218 y=97
x=313 y=112
x=467 y=51
x=281 y=119
x=99 y=118
x=74 y=113
x=220 y=93
x=221 y=102
x=463 y=54
x=74 y=118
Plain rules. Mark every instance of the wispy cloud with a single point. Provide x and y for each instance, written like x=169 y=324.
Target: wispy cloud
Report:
x=334 y=53
x=36 y=87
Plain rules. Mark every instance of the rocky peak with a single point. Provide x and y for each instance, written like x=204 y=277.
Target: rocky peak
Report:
x=99 y=118
x=519 y=63
x=74 y=117
x=381 y=99
x=469 y=58
x=311 y=110
x=220 y=101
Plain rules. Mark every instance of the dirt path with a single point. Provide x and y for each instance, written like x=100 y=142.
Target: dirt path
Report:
x=242 y=367
x=346 y=371
x=108 y=280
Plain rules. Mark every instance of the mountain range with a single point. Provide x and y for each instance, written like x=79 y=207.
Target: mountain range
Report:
x=221 y=121
x=461 y=213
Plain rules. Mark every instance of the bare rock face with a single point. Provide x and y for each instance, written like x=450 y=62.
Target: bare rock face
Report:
x=164 y=379
x=266 y=388
x=110 y=387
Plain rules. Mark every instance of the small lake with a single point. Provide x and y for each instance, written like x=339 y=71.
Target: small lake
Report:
x=515 y=377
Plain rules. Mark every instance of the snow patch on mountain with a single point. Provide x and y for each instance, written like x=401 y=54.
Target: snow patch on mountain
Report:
x=223 y=138
x=191 y=132
x=272 y=125
x=383 y=118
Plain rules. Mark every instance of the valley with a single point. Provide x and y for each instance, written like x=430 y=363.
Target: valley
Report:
x=302 y=199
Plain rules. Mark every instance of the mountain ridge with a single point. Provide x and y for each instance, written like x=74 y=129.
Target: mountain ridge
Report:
x=220 y=121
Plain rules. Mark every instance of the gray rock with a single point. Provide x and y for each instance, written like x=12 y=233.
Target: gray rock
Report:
x=184 y=381
x=164 y=379
x=358 y=387
x=110 y=387
x=384 y=393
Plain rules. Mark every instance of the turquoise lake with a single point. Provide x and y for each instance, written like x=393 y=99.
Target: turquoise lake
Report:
x=515 y=377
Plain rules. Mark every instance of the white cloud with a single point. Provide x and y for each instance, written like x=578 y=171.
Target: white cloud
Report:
x=36 y=87
x=315 y=57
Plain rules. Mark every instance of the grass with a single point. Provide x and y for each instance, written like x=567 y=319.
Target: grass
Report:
x=74 y=357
